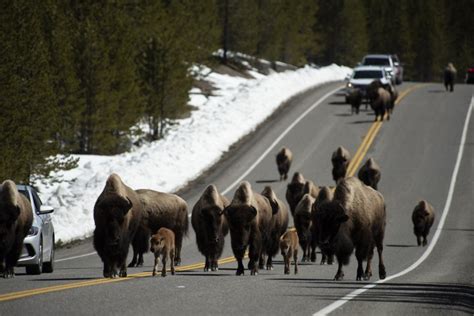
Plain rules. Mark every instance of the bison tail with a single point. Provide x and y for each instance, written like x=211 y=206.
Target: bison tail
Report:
x=186 y=224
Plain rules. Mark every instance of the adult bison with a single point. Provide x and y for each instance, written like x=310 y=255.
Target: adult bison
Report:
x=117 y=214
x=370 y=173
x=355 y=218
x=379 y=99
x=210 y=225
x=423 y=218
x=449 y=76
x=283 y=160
x=340 y=160
x=278 y=226
x=302 y=220
x=355 y=100
x=298 y=187
x=249 y=216
x=327 y=255
x=160 y=210
x=16 y=218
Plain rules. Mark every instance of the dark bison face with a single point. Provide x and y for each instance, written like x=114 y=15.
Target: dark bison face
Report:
x=114 y=211
x=328 y=220
x=240 y=219
x=8 y=216
x=157 y=244
x=296 y=191
x=213 y=218
x=419 y=221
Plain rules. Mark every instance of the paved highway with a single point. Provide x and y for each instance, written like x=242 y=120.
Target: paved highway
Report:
x=425 y=151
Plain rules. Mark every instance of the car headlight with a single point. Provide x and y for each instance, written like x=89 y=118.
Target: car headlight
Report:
x=33 y=231
x=349 y=85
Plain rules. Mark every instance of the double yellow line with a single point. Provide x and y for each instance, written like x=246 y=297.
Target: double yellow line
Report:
x=370 y=136
x=355 y=162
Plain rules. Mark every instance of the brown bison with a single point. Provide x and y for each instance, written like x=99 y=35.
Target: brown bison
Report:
x=327 y=255
x=210 y=225
x=283 y=160
x=249 y=216
x=278 y=226
x=16 y=218
x=393 y=97
x=355 y=100
x=370 y=173
x=379 y=99
x=449 y=76
x=160 y=210
x=162 y=244
x=355 y=218
x=117 y=215
x=340 y=162
x=297 y=188
x=422 y=217
x=289 y=249
x=302 y=221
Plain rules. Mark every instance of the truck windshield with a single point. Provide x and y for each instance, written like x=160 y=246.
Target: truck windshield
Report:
x=377 y=61
x=368 y=74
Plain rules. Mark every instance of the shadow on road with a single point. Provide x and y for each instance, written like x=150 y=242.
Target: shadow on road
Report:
x=436 y=91
x=343 y=114
x=338 y=103
x=69 y=279
x=401 y=246
x=268 y=181
x=362 y=122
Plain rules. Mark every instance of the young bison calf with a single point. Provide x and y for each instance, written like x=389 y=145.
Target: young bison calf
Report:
x=289 y=248
x=422 y=218
x=162 y=243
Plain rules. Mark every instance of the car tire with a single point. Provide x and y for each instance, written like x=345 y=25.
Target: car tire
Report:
x=37 y=268
x=48 y=267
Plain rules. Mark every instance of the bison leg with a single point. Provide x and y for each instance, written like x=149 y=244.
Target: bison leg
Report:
x=425 y=240
x=418 y=240
x=360 y=270
x=313 y=253
x=172 y=262
x=261 y=262
x=382 y=272
x=295 y=259
x=286 y=259
x=207 y=264
x=240 y=267
x=134 y=261
x=163 y=261
x=269 y=263
x=340 y=274
x=368 y=268
x=179 y=243
x=155 y=266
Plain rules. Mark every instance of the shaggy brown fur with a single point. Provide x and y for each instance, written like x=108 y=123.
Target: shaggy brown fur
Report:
x=370 y=173
x=302 y=221
x=355 y=100
x=355 y=218
x=422 y=217
x=117 y=215
x=379 y=99
x=295 y=191
x=210 y=225
x=393 y=97
x=160 y=210
x=249 y=216
x=16 y=218
x=278 y=226
x=449 y=76
x=162 y=244
x=289 y=248
x=283 y=160
x=340 y=162
x=325 y=195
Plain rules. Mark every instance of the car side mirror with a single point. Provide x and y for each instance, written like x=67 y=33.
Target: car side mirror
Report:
x=396 y=64
x=45 y=209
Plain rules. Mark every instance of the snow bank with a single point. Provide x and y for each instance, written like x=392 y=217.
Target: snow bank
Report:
x=189 y=148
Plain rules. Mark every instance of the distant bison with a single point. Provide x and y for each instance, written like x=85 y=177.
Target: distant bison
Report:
x=160 y=210
x=325 y=195
x=449 y=76
x=16 y=218
x=289 y=249
x=355 y=218
x=117 y=215
x=278 y=226
x=162 y=244
x=302 y=220
x=393 y=97
x=249 y=216
x=340 y=163
x=283 y=160
x=379 y=99
x=355 y=100
x=370 y=173
x=210 y=225
x=422 y=217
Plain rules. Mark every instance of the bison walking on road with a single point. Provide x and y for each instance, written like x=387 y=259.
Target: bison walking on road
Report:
x=283 y=160
x=422 y=217
x=210 y=225
x=162 y=244
x=327 y=255
x=370 y=173
x=16 y=218
x=355 y=218
x=340 y=163
x=289 y=249
x=302 y=220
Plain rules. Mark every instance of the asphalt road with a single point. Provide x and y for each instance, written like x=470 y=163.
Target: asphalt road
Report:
x=417 y=151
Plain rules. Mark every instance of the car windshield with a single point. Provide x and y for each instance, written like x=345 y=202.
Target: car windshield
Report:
x=368 y=74
x=376 y=61
x=24 y=193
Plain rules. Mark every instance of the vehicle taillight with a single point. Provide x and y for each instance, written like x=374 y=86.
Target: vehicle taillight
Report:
x=470 y=70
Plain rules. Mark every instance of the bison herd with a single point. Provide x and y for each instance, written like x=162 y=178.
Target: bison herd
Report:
x=339 y=220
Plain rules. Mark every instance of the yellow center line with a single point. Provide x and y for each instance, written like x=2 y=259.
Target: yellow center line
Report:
x=358 y=157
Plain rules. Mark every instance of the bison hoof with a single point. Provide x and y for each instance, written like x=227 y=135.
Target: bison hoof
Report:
x=206 y=269
x=253 y=273
x=425 y=242
x=123 y=274
x=269 y=267
x=131 y=264
x=287 y=271
x=339 y=276
x=163 y=275
x=239 y=272
x=153 y=273
x=8 y=275
x=367 y=276
x=382 y=273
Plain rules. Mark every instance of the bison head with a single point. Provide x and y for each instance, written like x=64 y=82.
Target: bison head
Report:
x=212 y=217
x=241 y=219
x=419 y=221
x=328 y=220
x=157 y=243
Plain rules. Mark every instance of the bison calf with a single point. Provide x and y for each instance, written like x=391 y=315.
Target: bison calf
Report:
x=283 y=160
x=340 y=162
x=16 y=218
x=370 y=173
x=289 y=248
x=422 y=217
x=162 y=244
x=355 y=100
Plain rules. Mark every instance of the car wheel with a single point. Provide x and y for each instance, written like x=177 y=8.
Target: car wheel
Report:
x=37 y=268
x=48 y=267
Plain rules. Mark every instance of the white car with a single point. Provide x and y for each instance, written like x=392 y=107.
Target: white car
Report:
x=392 y=67
x=362 y=76
x=37 y=255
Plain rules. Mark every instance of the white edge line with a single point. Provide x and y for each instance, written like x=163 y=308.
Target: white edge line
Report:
x=331 y=307
x=265 y=153
x=275 y=142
